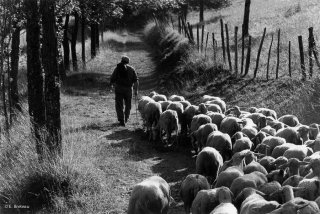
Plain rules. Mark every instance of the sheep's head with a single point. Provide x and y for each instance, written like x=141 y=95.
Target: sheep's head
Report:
x=202 y=108
x=253 y=109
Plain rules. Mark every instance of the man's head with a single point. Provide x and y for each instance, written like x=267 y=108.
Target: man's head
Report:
x=125 y=59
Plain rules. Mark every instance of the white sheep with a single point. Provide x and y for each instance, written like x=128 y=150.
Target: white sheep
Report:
x=225 y=206
x=221 y=142
x=152 y=111
x=159 y=97
x=208 y=162
x=219 y=102
x=188 y=114
x=168 y=122
x=213 y=108
x=272 y=142
x=226 y=177
x=150 y=196
x=199 y=137
x=207 y=200
x=206 y=98
x=242 y=144
x=190 y=186
x=164 y=104
x=278 y=151
x=176 y=98
x=314 y=131
x=142 y=103
x=199 y=120
x=216 y=118
x=268 y=112
x=298 y=151
x=178 y=107
x=231 y=125
x=185 y=103
x=289 y=120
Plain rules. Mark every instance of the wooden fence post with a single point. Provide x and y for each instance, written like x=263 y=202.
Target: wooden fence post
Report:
x=259 y=52
x=278 y=55
x=228 y=48
x=303 y=68
x=205 y=50
x=246 y=71
x=198 y=42
x=236 y=50
x=310 y=50
x=242 y=51
x=202 y=37
x=269 y=55
x=191 y=32
x=289 y=59
x=214 y=49
x=222 y=40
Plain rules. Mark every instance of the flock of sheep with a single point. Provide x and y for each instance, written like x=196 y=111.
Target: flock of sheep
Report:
x=248 y=162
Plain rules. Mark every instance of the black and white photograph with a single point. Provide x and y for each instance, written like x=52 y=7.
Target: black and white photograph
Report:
x=159 y=107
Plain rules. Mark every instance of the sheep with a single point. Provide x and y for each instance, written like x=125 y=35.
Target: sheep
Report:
x=159 y=97
x=289 y=120
x=176 y=98
x=276 y=175
x=178 y=107
x=258 y=138
x=226 y=177
x=254 y=166
x=269 y=130
x=277 y=125
x=310 y=189
x=199 y=120
x=152 y=111
x=225 y=206
x=221 y=142
x=242 y=144
x=237 y=136
x=315 y=128
x=142 y=103
x=188 y=114
x=239 y=159
x=273 y=142
x=298 y=151
x=231 y=125
x=270 y=187
x=150 y=196
x=253 y=179
x=250 y=131
x=208 y=162
x=168 y=122
x=190 y=186
x=293 y=164
x=293 y=181
x=207 y=200
x=295 y=205
x=152 y=93
x=290 y=134
x=267 y=112
x=216 y=118
x=213 y=108
x=280 y=150
x=185 y=103
x=255 y=203
x=219 y=102
x=164 y=104
x=315 y=166
x=202 y=108
x=206 y=98
x=259 y=119
x=266 y=162
x=200 y=136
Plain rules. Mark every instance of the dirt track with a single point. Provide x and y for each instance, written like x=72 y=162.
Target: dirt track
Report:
x=124 y=154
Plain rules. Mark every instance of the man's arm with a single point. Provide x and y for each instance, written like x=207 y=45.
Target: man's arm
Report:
x=135 y=87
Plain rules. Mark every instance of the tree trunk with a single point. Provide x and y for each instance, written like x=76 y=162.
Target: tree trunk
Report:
x=13 y=75
x=34 y=72
x=74 y=42
x=83 y=39
x=201 y=10
x=97 y=37
x=93 y=40
x=52 y=81
x=245 y=29
x=66 y=48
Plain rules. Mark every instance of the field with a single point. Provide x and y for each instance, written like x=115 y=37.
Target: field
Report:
x=104 y=160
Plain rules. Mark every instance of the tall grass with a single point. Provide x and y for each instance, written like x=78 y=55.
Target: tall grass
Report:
x=55 y=186
x=177 y=61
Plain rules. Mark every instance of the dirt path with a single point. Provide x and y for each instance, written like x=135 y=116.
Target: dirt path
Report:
x=121 y=153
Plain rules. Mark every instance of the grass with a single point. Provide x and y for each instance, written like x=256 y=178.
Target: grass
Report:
x=292 y=17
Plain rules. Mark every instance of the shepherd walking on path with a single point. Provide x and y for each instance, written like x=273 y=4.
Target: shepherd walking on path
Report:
x=124 y=78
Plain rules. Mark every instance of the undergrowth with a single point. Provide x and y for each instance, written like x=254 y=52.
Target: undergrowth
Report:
x=177 y=61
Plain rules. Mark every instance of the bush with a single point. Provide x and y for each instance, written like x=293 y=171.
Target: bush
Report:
x=177 y=60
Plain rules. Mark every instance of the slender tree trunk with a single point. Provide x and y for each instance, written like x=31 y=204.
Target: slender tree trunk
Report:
x=74 y=41
x=246 y=18
x=14 y=94
x=34 y=72
x=52 y=81
x=97 y=37
x=201 y=16
x=93 y=41
x=83 y=39
x=66 y=48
